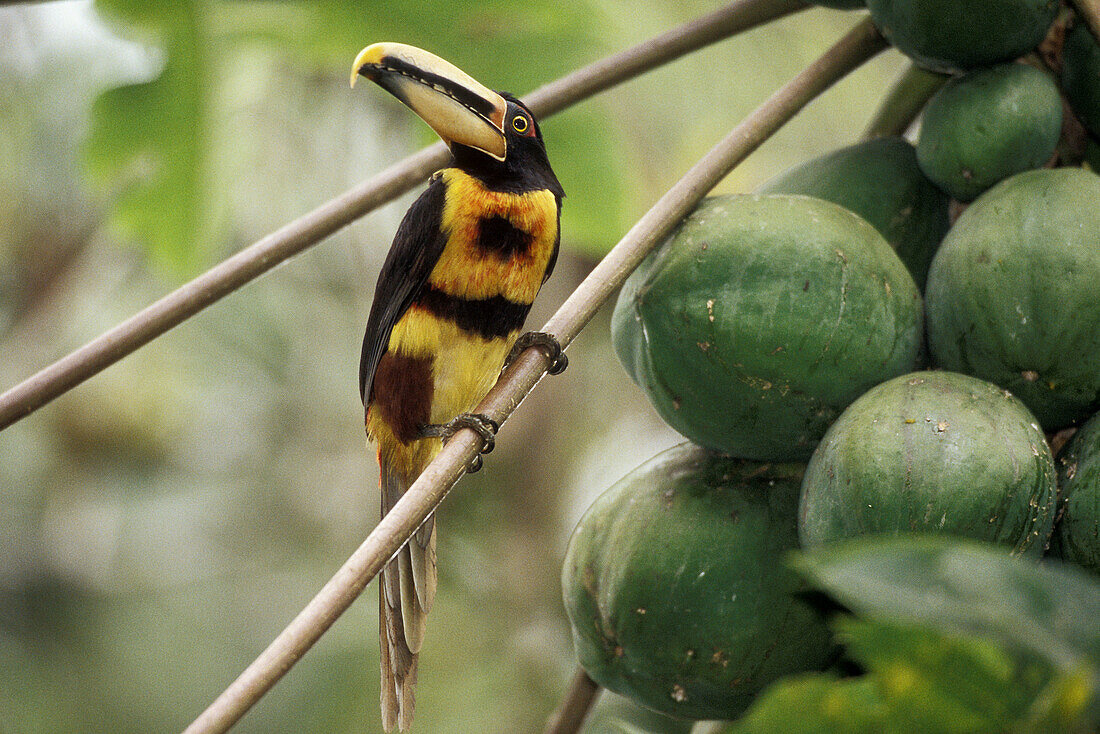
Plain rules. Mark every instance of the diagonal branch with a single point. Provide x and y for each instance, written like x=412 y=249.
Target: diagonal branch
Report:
x=436 y=481
x=625 y=65
x=306 y=231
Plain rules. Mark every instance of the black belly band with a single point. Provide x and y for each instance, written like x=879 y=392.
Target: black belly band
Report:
x=489 y=318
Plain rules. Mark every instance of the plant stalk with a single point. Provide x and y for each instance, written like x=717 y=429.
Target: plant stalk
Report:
x=903 y=102
x=574 y=708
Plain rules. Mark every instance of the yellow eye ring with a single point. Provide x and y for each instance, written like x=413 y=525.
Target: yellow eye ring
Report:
x=519 y=124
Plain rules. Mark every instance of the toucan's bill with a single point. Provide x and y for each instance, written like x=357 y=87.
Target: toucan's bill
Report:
x=456 y=106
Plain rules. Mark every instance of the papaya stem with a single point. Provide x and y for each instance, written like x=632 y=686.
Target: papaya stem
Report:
x=903 y=102
x=574 y=708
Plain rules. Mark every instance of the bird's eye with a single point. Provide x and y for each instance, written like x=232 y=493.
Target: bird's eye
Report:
x=519 y=124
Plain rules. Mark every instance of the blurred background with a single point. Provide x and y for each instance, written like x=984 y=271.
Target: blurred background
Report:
x=161 y=523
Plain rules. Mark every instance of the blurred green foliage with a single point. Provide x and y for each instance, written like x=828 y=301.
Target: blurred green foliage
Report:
x=954 y=636
x=967 y=588
x=161 y=523
x=919 y=679
x=150 y=143
x=154 y=145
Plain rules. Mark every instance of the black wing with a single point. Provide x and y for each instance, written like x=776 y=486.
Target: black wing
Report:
x=416 y=249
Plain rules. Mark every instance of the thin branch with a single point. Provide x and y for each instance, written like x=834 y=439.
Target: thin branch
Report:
x=904 y=101
x=1089 y=11
x=601 y=75
x=255 y=260
x=436 y=481
x=574 y=708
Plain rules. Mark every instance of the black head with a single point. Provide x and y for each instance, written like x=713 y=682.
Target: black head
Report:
x=492 y=135
x=525 y=167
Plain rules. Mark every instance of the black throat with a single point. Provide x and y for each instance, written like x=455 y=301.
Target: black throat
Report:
x=525 y=169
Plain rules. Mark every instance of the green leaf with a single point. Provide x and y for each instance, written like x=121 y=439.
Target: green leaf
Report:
x=149 y=143
x=817 y=704
x=948 y=683
x=1064 y=706
x=1050 y=611
x=921 y=680
x=955 y=636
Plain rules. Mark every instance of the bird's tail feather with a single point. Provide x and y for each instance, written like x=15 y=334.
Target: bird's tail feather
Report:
x=406 y=592
x=422 y=555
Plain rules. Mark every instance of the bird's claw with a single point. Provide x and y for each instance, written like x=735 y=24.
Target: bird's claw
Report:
x=482 y=425
x=551 y=346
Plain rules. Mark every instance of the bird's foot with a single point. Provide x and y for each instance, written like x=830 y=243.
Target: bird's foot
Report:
x=549 y=344
x=481 y=424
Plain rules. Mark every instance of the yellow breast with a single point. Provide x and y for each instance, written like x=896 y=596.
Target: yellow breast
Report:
x=498 y=248
x=466 y=269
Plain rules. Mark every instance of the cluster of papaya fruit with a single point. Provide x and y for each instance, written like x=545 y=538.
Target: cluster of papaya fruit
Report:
x=879 y=341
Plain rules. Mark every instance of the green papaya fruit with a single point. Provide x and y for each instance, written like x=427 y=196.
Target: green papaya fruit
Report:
x=676 y=587
x=761 y=318
x=1012 y=293
x=987 y=125
x=880 y=181
x=1077 y=536
x=950 y=35
x=932 y=452
x=1081 y=76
